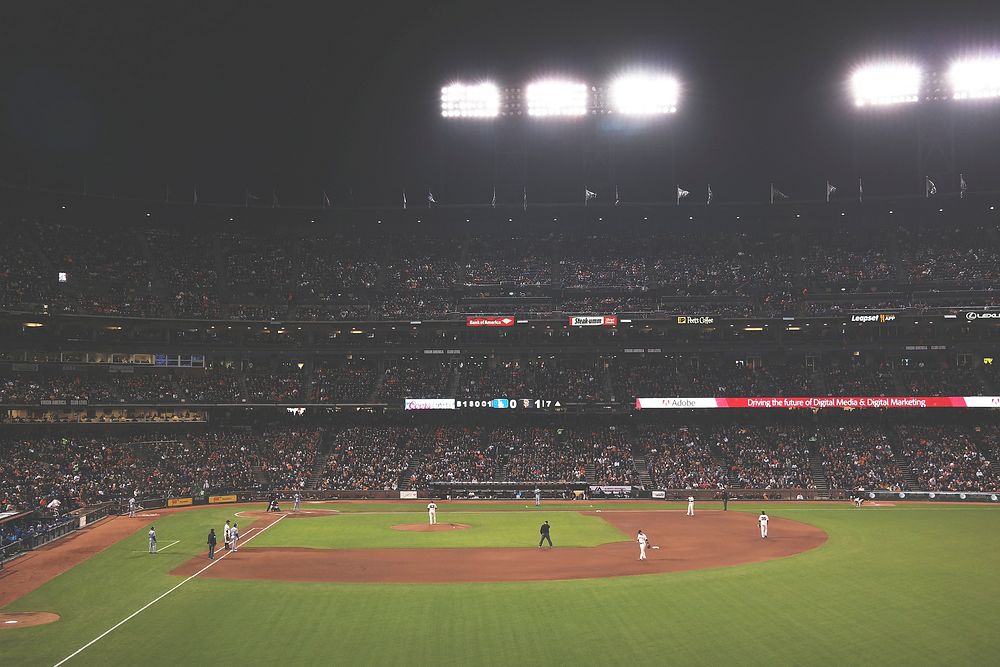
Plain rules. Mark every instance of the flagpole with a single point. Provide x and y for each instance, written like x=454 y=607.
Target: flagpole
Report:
x=678 y=194
x=861 y=192
x=828 y=192
x=772 y=193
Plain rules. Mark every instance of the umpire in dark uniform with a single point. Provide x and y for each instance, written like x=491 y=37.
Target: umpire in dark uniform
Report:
x=544 y=531
x=211 y=543
x=725 y=500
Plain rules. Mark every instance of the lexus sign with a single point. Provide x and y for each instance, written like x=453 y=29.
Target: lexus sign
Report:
x=984 y=315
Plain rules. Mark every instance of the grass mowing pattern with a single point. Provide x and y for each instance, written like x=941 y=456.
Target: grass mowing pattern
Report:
x=488 y=529
x=911 y=585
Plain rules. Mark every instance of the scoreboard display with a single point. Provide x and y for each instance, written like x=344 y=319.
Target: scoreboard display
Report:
x=508 y=404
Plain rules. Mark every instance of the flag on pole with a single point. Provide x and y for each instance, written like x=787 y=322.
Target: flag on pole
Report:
x=195 y=202
x=588 y=195
x=681 y=194
x=962 y=187
x=861 y=191
x=929 y=188
x=404 y=199
x=775 y=192
x=710 y=194
x=617 y=200
x=493 y=204
x=250 y=197
x=326 y=200
x=430 y=199
x=830 y=189
x=166 y=197
x=274 y=199
x=524 y=202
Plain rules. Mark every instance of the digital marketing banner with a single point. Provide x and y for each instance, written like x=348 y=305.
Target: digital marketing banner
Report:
x=813 y=402
x=593 y=321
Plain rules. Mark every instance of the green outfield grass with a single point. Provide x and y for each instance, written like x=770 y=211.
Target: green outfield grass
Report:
x=910 y=585
x=487 y=529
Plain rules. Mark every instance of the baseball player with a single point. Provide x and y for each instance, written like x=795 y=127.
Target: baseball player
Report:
x=432 y=511
x=152 y=540
x=690 y=511
x=642 y=539
x=538 y=497
x=131 y=507
x=762 y=522
x=297 y=502
x=858 y=501
x=227 y=535
x=544 y=532
x=234 y=537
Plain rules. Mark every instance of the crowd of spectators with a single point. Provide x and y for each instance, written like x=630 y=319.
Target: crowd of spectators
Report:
x=411 y=378
x=538 y=454
x=679 y=457
x=857 y=378
x=261 y=275
x=951 y=457
x=860 y=458
x=349 y=382
x=766 y=457
x=458 y=455
x=368 y=458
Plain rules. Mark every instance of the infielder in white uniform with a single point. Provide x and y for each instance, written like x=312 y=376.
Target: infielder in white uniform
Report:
x=538 y=497
x=152 y=540
x=432 y=510
x=297 y=502
x=131 y=507
x=690 y=506
x=642 y=539
x=227 y=535
x=762 y=521
x=234 y=536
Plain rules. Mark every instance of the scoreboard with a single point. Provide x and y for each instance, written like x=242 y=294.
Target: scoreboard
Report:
x=509 y=404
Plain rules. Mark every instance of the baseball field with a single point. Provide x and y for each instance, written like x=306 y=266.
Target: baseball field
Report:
x=370 y=583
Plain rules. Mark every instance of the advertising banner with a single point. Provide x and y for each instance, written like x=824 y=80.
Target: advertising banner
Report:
x=504 y=321
x=407 y=495
x=593 y=321
x=212 y=500
x=179 y=502
x=813 y=402
x=428 y=403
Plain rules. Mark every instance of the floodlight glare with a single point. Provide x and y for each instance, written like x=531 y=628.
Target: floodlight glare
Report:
x=644 y=94
x=890 y=83
x=481 y=100
x=556 y=98
x=975 y=78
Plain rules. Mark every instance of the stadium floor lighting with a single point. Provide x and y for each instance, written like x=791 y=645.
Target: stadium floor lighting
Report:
x=644 y=94
x=553 y=97
x=885 y=84
x=480 y=100
x=975 y=78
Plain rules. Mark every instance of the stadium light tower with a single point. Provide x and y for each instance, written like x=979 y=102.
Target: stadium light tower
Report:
x=479 y=100
x=553 y=97
x=975 y=78
x=886 y=83
x=644 y=94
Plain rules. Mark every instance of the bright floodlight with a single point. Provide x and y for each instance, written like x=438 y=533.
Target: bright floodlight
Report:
x=481 y=100
x=891 y=83
x=976 y=78
x=556 y=98
x=644 y=94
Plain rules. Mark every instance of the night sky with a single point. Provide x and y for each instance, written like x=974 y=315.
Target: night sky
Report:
x=344 y=97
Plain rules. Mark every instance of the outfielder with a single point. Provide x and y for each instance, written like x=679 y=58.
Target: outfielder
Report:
x=538 y=497
x=131 y=507
x=297 y=502
x=762 y=521
x=432 y=511
x=152 y=540
x=234 y=537
x=227 y=535
x=642 y=539
x=690 y=511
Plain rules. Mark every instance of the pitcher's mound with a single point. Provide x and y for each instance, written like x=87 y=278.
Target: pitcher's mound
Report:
x=427 y=528
x=26 y=619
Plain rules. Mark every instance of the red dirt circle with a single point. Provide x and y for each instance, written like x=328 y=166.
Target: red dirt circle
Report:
x=25 y=619
x=427 y=528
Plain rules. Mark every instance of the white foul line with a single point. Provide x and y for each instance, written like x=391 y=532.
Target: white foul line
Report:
x=150 y=604
x=169 y=545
